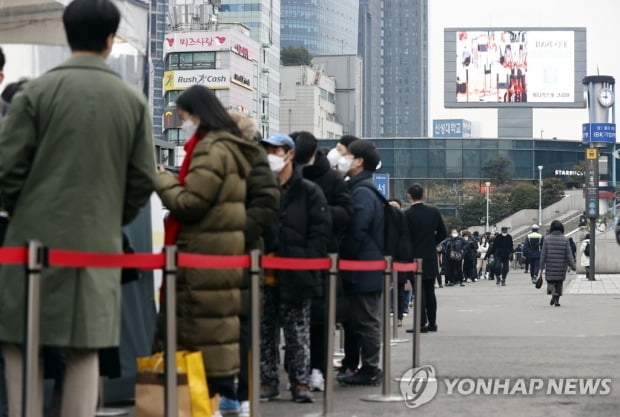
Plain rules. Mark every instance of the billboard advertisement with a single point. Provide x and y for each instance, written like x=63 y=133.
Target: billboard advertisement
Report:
x=181 y=80
x=515 y=66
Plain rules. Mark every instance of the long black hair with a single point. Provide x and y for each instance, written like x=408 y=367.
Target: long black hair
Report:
x=202 y=102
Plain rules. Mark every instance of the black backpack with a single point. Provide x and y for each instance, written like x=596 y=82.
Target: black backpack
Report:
x=586 y=250
x=396 y=238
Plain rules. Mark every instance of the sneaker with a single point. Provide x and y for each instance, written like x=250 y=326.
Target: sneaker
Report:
x=363 y=377
x=244 y=409
x=228 y=405
x=269 y=390
x=301 y=393
x=317 y=382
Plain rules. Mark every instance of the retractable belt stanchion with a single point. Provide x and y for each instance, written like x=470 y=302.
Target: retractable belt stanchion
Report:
x=418 y=312
x=395 y=307
x=170 y=271
x=255 y=304
x=32 y=320
x=385 y=396
x=330 y=329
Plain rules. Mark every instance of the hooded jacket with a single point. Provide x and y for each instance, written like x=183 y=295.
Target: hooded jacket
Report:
x=211 y=208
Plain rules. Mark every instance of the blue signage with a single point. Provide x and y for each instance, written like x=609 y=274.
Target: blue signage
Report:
x=451 y=128
x=382 y=182
x=599 y=132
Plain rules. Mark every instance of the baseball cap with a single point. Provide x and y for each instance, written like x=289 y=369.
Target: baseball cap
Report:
x=279 y=140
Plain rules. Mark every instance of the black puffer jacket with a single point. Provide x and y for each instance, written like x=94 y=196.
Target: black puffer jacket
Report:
x=301 y=230
x=556 y=255
x=337 y=194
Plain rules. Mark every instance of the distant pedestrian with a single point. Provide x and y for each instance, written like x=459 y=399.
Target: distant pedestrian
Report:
x=502 y=251
x=483 y=247
x=531 y=250
x=555 y=257
x=453 y=248
x=585 y=256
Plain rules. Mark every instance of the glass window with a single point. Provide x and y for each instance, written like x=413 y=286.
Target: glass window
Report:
x=204 y=60
x=454 y=164
x=186 y=61
x=172 y=61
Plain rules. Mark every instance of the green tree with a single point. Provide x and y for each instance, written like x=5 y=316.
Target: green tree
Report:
x=552 y=191
x=291 y=56
x=473 y=212
x=499 y=208
x=498 y=170
x=524 y=196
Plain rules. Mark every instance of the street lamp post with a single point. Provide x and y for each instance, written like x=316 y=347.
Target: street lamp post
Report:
x=540 y=168
x=486 y=227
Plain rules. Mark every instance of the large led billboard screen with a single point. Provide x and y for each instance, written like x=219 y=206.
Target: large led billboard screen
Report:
x=514 y=67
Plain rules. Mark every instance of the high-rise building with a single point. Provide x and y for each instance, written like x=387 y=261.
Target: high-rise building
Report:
x=263 y=19
x=369 y=47
x=404 y=89
x=323 y=27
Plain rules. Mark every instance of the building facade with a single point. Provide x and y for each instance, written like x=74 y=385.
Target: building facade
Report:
x=347 y=72
x=369 y=47
x=323 y=27
x=404 y=90
x=263 y=19
x=308 y=102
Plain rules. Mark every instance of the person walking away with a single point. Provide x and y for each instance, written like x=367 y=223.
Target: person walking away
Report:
x=363 y=241
x=453 y=255
x=427 y=231
x=555 y=258
x=584 y=250
x=502 y=250
x=97 y=172
x=531 y=250
x=261 y=205
x=301 y=230
x=316 y=168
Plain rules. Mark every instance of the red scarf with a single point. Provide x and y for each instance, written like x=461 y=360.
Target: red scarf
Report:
x=172 y=224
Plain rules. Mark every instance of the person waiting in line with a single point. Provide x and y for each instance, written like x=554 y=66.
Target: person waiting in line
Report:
x=469 y=257
x=555 y=257
x=208 y=216
x=301 y=230
x=316 y=168
x=483 y=247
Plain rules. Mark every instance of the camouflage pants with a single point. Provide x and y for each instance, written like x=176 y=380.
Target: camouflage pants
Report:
x=295 y=321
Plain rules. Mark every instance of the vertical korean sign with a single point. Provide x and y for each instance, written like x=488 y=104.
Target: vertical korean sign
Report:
x=592 y=183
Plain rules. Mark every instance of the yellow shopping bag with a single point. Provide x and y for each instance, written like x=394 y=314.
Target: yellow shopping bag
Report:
x=192 y=389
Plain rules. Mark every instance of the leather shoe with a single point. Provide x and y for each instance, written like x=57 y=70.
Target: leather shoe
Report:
x=423 y=329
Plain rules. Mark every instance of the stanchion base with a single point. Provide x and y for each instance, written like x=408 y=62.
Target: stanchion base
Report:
x=338 y=354
x=111 y=412
x=338 y=414
x=379 y=398
x=400 y=340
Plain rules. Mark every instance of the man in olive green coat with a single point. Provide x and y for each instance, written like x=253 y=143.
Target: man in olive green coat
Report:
x=76 y=164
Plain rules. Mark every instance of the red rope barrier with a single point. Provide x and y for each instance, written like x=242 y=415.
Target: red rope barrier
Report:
x=275 y=262
x=405 y=267
x=347 y=265
x=76 y=259
x=18 y=255
x=192 y=260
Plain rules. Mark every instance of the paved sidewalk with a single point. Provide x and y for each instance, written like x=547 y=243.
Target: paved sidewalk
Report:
x=604 y=284
x=489 y=331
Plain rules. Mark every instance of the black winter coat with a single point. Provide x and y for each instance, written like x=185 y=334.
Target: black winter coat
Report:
x=427 y=229
x=502 y=247
x=302 y=229
x=337 y=194
x=364 y=239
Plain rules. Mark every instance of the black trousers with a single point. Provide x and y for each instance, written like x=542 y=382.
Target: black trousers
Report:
x=244 y=351
x=429 y=303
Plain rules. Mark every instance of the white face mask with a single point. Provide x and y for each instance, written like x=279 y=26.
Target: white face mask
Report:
x=344 y=165
x=455 y=235
x=189 y=127
x=333 y=156
x=504 y=234
x=276 y=163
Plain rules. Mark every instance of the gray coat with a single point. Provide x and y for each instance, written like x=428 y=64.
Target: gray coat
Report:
x=556 y=256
